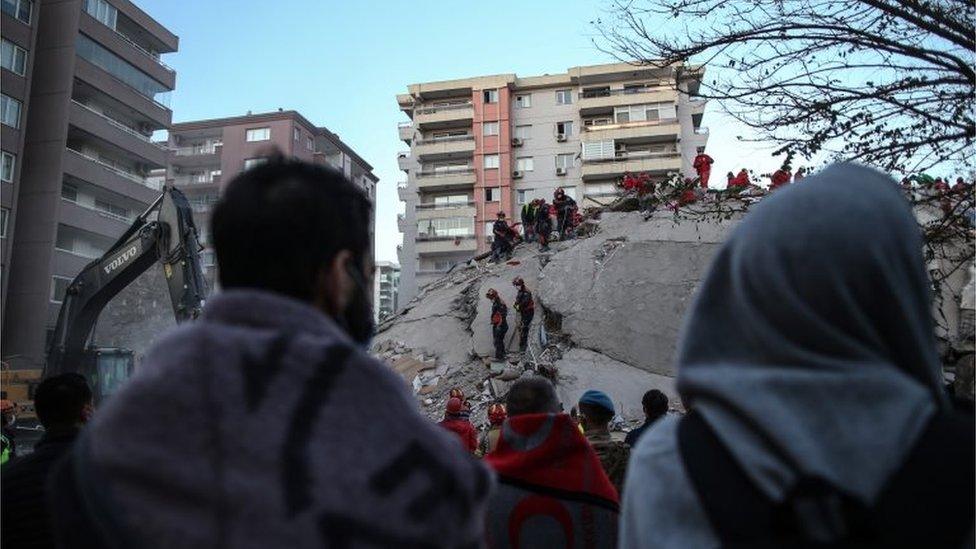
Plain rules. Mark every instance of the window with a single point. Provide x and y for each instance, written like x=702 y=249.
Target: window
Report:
x=446 y=227
x=252 y=162
x=564 y=128
x=14 y=58
x=59 y=287
x=490 y=128
x=564 y=161
x=297 y=133
x=601 y=121
x=96 y=54
x=491 y=161
x=523 y=101
x=9 y=111
x=258 y=134
x=102 y=11
x=621 y=115
x=309 y=143
x=69 y=192
x=490 y=96
x=8 y=163
x=19 y=9
x=492 y=194
x=4 y=216
x=601 y=189
x=453 y=199
x=564 y=97
x=111 y=209
x=524 y=164
x=520 y=197
x=442 y=264
x=642 y=113
x=523 y=132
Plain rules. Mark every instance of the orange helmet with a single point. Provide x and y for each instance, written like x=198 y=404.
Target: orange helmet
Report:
x=454 y=405
x=518 y=282
x=492 y=294
x=497 y=414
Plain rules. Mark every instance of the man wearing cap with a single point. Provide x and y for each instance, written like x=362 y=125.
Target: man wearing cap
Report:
x=456 y=422
x=596 y=410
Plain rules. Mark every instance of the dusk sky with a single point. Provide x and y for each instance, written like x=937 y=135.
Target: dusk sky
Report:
x=341 y=65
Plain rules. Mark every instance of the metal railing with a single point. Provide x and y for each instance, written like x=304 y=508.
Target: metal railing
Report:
x=590 y=94
x=196 y=179
x=121 y=126
x=142 y=180
x=446 y=173
x=624 y=156
x=429 y=109
x=101 y=212
x=634 y=124
x=424 y=237
x=445 y=206
x=196 y=150
x=443 y=139
x=144 y=51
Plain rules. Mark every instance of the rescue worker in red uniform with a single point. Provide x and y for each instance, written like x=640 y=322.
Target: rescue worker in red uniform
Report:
x=703 y=165
x=456 y=423
x=780 y=177
x=525 y=307
x=496 y=417
x=741 y=181
x=499 y=322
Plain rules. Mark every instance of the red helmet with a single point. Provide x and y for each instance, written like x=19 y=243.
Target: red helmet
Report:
x=454 y=405
x=492 y=294
x=497 y=414
x=518 y=282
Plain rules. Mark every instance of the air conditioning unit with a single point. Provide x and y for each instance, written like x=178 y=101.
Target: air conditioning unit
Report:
x=517 y=142
x=516 y=175
x=560 y=137
x=561 y=171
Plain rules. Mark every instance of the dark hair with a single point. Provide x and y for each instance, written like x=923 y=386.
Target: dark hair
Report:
x=59 y=400
x=531 y=395
x=655 y=404
x=279 y=223
x=596 y=414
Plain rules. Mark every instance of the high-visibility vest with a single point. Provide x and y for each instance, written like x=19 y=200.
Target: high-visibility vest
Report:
x=5 y=452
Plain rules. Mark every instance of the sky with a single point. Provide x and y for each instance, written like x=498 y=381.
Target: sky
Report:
x=342 y=63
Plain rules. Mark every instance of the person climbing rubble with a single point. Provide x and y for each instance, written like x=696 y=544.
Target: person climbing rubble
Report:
x=501 y=244
x=528 y=219
x=781 y=177
x=703 y=165
x=458 y=423
x=525 y=307
x=489 y=440
x=543 y=224
x=499 y=322
x=596 y=410
x=565 y=211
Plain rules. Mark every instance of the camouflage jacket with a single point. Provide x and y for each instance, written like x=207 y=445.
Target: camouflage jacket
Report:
x=613 y=455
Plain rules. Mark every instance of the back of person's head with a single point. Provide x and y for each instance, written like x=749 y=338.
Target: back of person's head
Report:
x=655 y=404
x=596 y=407
x=279 y=225
x=531 y=395
x=63 y=401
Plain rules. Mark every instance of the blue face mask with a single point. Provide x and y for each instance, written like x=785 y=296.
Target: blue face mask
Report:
x=358 y=317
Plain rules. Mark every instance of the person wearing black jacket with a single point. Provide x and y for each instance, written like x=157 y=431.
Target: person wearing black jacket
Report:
x=63 y=404
x=499 y=322
x=525 y=307
x=565 y=207
x=528 y=220
x=543 y=225
x=502 y=242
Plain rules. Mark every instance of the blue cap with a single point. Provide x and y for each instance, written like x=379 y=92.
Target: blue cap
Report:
x=597 y=398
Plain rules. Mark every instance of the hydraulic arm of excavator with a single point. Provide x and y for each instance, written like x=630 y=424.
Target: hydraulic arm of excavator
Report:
x=164 y=233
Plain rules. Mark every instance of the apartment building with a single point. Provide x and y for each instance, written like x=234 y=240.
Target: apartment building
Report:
x=386 y=285
x=486 y=144
x=97 y=92
x=18 y=18
x=206 y=154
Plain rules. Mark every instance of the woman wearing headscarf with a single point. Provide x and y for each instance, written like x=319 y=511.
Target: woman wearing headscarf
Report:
x=809 y=364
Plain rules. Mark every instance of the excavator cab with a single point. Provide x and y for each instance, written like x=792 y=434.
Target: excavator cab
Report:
x=107 y=368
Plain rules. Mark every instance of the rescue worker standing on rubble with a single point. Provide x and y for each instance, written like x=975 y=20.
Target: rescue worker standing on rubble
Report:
x=565 y=208
x=502 y=242
x=499 y=322
x=703 y=166
x=525 y=307
x=528 y=219
x=496 y=417
x=543 y=225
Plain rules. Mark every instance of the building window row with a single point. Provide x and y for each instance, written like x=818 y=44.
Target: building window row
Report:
x=4 y=218
x=96 y=54
x=10 y=111
x=104 y=12
x=19 y=9
x=446 y=227
x=13 y=57
x=257 y=134
x=8 y=163
x=644 y=113
x=564 y=97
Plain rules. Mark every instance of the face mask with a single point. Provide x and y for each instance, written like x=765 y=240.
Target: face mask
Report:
x=358 y=316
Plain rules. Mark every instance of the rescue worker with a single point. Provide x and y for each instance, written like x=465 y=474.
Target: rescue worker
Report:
x=703 y=165
x=499 y=322
x=458 y=424
x=565 y=207
x=800 y=174
x=502 y=243
x=596 y=410
x=525 y=307
x=780 y=177
x=543 y=225
x=496 y=417
x=465 y=405
x=528 y=219
x=740 y=181
x=8 y=444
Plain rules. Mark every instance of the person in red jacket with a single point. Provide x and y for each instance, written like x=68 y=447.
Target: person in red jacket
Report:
x=780 y=177
x=740 y=181
x=455 y=422
x=703 y=165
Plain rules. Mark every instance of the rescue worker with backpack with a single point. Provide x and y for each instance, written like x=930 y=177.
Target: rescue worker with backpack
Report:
x=565 y=210
x=502 y=242
x=543 y=225
x=499 y=322
x=524 y=306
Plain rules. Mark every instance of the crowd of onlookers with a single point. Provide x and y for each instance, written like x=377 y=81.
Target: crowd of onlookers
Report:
x=807 y=364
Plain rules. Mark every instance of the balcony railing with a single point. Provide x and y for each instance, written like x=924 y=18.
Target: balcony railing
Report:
x=424 y=237
x=624 y=156
x=446 y=173
x=205 y=179
x=443 y=139
x=144 y=51
x=444 y=206
x=403 y=184
x=121 y=126
x=590 y=94
x=100 y=212
x=405 y=124
x=634 y=124
x=126 y=174
x=701 y=131
x=196 y=150
x=432 y=108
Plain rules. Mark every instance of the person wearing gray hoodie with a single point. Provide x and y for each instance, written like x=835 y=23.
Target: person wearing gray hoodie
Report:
x=265 y=423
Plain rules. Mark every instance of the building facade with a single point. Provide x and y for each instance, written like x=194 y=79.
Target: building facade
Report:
x=206 y=154
x=386 y=285
x=492 y=143
x=98 y=91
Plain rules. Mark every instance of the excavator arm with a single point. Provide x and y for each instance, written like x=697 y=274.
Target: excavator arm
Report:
x=164 y=233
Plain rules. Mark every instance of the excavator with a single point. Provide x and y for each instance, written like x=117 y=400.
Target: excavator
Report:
x=164 y=234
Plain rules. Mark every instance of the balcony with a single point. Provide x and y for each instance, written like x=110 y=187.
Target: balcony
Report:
x=196 y=179
x=452 y=146
x=401 y=223
x=454 y=209
x=195 y=156
x=446 y=244
x=405 y=129
x=92 y=219
x=633 y=162
x=444 y=115
x=128 y=50
x=135 y=178
x=668 y=127
x=110 y=178
x=445 y=179
x=404 y=160
x=404 y=192
x=117 y=134
x=103 y=81
x=697 y=106
x=595 y=102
